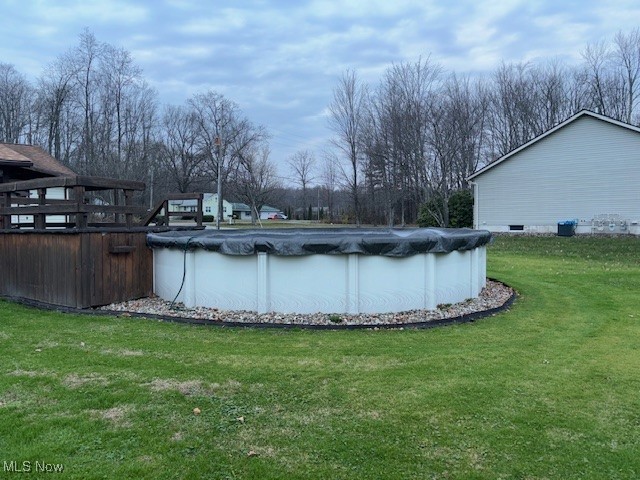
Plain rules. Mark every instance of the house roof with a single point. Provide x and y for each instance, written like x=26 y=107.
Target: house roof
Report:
x=267 y=208
x=571 y=119
x=243 y=207
x=32 y=158
x=184 y=203
x=192 y=202
x=240 y=207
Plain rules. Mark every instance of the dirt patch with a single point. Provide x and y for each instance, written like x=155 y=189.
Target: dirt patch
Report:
x=192 y=387
x=123 y=353
x=11 y=397
x=187 y=388
x=29 y=373
x=117 y=416
x=77 y=381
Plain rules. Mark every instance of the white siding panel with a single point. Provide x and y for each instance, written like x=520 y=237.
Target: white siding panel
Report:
x=586 y=168
x=57 y=193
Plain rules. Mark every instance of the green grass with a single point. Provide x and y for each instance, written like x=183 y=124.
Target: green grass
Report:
x=548 y=390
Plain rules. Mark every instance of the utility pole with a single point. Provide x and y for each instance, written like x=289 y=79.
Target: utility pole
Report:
x=218 y=143
x=151 y=190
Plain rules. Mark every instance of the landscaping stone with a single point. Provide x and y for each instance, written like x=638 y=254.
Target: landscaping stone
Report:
x=494 y=295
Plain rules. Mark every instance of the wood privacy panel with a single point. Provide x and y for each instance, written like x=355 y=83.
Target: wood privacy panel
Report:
x=84 y=269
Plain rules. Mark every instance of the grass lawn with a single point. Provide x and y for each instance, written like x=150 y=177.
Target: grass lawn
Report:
x=548 y=390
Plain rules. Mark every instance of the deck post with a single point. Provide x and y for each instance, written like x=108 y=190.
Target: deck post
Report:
x=39 y=218
x=81 y=218
x=128 y=201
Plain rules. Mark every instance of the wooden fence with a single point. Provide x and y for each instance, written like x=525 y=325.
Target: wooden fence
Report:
x=77 y=269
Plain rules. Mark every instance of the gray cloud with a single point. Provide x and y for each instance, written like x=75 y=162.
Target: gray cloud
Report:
x=281 y=59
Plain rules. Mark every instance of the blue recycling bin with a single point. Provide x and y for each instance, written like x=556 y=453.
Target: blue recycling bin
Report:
x=567 y=228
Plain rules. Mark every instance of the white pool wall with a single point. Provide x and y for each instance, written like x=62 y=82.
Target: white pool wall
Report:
x=343 y=283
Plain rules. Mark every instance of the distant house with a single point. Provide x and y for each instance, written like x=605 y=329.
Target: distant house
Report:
x=242 y=211
x=27 y=162
x=585 y=169
x=209 y=206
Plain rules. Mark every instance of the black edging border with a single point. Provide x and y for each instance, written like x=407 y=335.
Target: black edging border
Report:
x=442 y=322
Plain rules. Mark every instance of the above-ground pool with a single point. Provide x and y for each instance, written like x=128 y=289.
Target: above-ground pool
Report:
x=320 y=270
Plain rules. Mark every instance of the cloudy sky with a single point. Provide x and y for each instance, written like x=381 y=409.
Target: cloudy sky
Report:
x=281 y=59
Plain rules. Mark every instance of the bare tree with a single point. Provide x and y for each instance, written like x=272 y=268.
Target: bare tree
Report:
x=85 y=59
x=95 y=112
x=553 y=95
x=139 y=124
x=329 y=179
x=15 y=103
x=224 y=134
x=55 y=95
x=467 y=108
x=606 y=86
x=595 y=59
x=302 y=166
x=512 y=106
x=395 y=137
x=179 y=154
x=345 y=119
x=256 y=180
x=120 y=78
x=627 y=53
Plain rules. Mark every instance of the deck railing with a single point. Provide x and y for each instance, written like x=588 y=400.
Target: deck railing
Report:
x=75 y=210
x=161 y=213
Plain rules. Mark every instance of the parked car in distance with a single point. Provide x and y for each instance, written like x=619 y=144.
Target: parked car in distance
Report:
x=277 y=216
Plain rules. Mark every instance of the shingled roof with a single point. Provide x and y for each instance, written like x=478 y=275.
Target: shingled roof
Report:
x=32 y=158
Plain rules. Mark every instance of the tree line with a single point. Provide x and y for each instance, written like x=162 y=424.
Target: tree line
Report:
x=92 y=109
x=410 y=141
x=402 y=147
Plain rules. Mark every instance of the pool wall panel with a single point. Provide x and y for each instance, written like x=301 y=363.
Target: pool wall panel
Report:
x=349 y=283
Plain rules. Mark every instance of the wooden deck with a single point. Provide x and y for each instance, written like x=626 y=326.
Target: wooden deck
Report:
x=75 y=269
x=97 y=255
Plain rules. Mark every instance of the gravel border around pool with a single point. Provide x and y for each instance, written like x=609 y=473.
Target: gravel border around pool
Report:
x=495 y=297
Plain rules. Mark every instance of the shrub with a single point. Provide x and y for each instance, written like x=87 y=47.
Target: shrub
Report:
x=207 y=218
x=460 y=211
x=426 y=216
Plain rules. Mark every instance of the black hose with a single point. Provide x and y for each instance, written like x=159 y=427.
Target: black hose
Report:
x=184 y=272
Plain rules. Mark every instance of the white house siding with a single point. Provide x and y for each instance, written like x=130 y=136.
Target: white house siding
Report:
x=57 y=193
x=588 y=167
x=209 y=206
